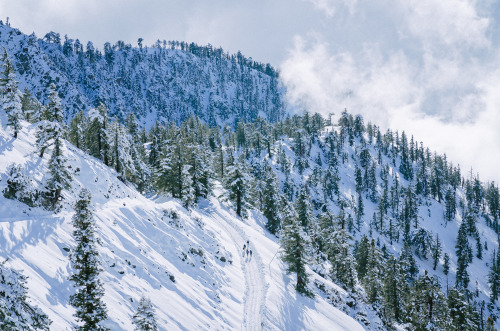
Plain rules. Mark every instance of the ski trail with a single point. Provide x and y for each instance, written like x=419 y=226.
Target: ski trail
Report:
x=254 y=274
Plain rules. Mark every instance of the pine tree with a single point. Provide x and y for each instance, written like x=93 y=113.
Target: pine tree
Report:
x=271 y=200
x=60 y=177
x=494 y=277
x=373 y=279
x=461 y=313
x=427 y=306
x=51 y=127
x=10 y=96
x=144 y=319
x=77 y=128
x=19 y=186
x=16 y=313
x=304 y=209
x=188 y=196
x=394 y=290
x=408 y=263
x=294 y=243
x=450 y=205
x=98 y=136
x=30 y=106
x=464 y=257
x=343 y=268
x=237 y=183
x=90 y=309
x=436 y=252
x=361 y=254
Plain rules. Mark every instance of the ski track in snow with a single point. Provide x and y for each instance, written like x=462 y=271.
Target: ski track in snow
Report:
x=254 y=277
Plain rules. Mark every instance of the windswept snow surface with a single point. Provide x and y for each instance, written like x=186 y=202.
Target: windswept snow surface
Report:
x=189 y=263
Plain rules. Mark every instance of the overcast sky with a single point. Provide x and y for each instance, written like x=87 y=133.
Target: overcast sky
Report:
x=429 y=67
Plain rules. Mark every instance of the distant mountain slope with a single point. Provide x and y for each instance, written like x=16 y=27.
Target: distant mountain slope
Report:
x=167 y=82
x=188 y=263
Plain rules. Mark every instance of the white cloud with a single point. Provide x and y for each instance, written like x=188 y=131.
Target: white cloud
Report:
x=438 y=82
x=454 y=23
x=329 y=7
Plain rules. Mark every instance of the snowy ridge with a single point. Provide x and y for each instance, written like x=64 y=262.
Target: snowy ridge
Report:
x=188 y=263
x=161 y=83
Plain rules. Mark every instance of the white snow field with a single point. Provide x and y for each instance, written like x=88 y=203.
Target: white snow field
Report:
x=189 y=263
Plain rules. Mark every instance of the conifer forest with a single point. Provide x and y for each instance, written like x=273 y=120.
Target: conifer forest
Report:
x=133 y=175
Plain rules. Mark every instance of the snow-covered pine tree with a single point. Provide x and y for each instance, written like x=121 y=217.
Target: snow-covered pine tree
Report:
x=98 y=136
x=343 y=269
x=436 y=251
x=77 y=128
x=304 y=209
x=494 y=277
x=90 y=309
x=237 y=183
x=427 y=307
x=10 y=96
x=30 y=107
x=294 y=243
x=16 y=313
x=59 y=179
x=394 y=291
x=144 y=319
x=450 y=205
x=19 y=185
x=188 y=195
x=372 y=281
x=271 y=200
x=464 y=257
x=461 y=312
x=51 y=126
x=201 y=171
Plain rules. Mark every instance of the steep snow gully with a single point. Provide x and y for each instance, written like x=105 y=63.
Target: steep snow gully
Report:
x=255 y=292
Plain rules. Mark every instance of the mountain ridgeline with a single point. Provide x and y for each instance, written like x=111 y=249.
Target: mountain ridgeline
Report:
x=410 y=238
x=166 y=82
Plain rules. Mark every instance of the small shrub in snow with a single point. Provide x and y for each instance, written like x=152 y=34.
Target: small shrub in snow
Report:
x=19 y=186
x=144 y=319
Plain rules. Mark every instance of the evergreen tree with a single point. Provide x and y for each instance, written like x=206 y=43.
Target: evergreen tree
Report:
x=98 y=136
x=237 y=183
x=450 y=205
x=77 y=128
x=436 y=252
x=427 y=306
x=361 y=254
x=60 y=177
x=19 y=186
x=51 y=127
x=394 y=291
x=188 y=196
x=144 y=319
x=494 y=277
x=343 y=269
x=90 y=309
x=304 y=209
x=408 y=263
x=271 y=200
x=10 y=96
x=31 y=107
x=373 y=279
x=294 y=243
x=16 y=313
x=464 y=257
x=461 y=313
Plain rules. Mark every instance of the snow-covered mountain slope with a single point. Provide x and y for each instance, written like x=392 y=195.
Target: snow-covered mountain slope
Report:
x=168 y=82
x=189 y=263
